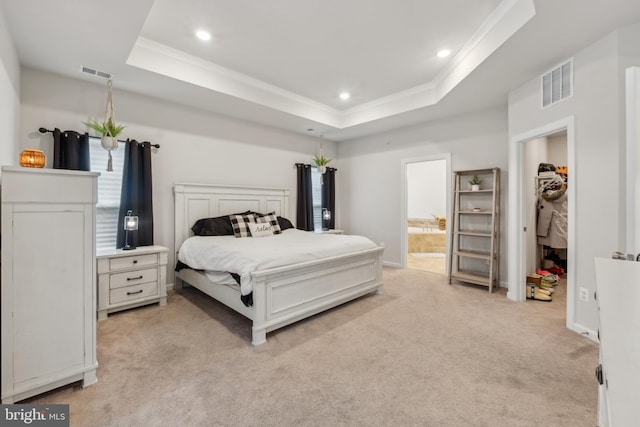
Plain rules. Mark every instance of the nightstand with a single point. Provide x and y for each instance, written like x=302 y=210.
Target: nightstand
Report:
x=132 y=278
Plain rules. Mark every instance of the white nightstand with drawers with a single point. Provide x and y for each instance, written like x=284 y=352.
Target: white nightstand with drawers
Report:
x=132 y=278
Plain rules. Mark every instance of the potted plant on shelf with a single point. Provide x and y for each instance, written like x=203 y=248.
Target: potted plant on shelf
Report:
x=475 y=183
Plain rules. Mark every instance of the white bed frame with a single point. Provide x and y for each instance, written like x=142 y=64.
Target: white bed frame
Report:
x=281 y=295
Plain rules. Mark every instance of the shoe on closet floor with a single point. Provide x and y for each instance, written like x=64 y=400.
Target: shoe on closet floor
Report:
x=533 y=292
x=545 y=291
x=556 y=270
x=541 y=296
x=547 y=287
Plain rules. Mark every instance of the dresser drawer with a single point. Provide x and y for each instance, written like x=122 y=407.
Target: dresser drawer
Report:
x=121 y=263
x=131 y=293
x=135 y=277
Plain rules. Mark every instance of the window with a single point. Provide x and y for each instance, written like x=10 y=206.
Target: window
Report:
x=316 y=195
x=109 y=188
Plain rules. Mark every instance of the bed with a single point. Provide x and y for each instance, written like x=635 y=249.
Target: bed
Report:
x=281 y=295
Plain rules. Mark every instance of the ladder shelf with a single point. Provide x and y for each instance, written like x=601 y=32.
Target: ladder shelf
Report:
x=474 y=255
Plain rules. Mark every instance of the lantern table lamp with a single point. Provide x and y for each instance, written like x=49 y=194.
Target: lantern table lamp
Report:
x=326 y=217
x=130 y=224
x=32 y=158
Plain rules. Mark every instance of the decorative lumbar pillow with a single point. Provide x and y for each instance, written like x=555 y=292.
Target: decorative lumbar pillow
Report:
x=270 y=218
x=260 y=229
x=240 y=224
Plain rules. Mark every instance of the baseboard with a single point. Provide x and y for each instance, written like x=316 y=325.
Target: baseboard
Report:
x=170 y=286
x=391 y=264
x=579 y=329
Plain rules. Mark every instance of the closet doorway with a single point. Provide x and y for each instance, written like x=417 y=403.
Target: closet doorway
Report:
x=426 y=205
x=546 y=209
x=520 y=189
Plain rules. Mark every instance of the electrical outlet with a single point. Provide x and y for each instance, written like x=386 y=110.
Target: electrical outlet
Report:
x=584 y=294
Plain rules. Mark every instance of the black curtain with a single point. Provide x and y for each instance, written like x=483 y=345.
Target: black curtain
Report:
x=71 y=150
x=329 y=196
x=136 y=194
x=304 y=201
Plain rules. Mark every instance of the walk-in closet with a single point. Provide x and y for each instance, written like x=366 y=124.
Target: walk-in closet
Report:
x=547 y=218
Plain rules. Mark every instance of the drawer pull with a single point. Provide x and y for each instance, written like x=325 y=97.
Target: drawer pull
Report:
x=134 y=278
x=135 y=261
x=136 y=292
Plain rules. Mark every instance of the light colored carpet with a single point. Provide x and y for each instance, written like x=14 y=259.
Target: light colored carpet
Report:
x=424 y=353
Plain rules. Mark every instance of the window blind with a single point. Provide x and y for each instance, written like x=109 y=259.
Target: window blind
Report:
x=109 y=188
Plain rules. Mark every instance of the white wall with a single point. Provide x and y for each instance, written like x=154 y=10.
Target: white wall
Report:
x=598 y=108
x=371 y=171
x=426 y=189
x=557 y=148
x=196 y=146
x=9 y=96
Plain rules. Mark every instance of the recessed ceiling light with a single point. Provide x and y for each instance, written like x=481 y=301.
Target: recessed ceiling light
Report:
x=203 y=35
x=444 y=53
x=345 y=95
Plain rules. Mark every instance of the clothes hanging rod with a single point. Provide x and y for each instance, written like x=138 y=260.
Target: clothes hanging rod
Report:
x=45 y=130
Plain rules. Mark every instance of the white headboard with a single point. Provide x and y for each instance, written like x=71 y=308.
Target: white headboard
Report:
x=195 y=201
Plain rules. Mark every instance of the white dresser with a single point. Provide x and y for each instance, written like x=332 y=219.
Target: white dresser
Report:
x=48 y=280
x=618 y=297
x=131 y=278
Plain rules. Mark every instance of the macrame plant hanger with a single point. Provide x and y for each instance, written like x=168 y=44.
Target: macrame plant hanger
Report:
x=109 y=142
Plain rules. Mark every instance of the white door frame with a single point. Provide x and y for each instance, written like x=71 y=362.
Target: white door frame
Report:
x=516 y=239
x=404 y=244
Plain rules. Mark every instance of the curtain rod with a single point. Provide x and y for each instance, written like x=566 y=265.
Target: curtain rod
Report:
x=309 y=165
x=45 y=130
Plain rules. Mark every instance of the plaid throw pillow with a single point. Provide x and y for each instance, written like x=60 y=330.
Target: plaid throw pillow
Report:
x=270 y=218
x=240 y=224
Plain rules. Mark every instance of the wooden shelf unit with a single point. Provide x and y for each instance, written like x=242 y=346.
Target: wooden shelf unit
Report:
x=474 y=255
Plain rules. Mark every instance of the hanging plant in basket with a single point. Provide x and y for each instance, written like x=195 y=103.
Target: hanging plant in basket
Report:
x=320 y=160
x=108 y=129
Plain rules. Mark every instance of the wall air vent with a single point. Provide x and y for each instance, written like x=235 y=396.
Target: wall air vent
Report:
x=95 y=73
x=557 y=84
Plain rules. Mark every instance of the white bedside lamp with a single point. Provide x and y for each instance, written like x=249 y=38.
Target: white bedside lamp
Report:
x=326 y=216
x=130 y=224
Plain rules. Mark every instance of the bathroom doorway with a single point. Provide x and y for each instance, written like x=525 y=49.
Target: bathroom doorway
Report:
x=425 y=216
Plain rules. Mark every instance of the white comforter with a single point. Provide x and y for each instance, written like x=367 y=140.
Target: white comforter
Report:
x=248 y=254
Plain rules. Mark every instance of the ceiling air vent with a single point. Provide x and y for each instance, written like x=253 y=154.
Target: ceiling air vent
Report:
x=557 y=84
x=95 y=73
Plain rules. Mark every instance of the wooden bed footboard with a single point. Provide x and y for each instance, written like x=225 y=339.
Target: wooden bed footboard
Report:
x=285 y=295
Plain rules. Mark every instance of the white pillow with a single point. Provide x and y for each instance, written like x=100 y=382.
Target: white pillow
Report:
x=260 y=229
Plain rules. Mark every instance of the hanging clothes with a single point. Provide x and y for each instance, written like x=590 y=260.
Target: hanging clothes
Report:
x=552 y=214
